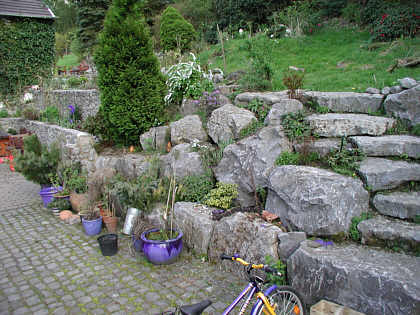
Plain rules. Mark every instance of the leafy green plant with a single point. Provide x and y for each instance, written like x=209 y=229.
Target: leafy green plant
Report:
x=293 y=80
x=74 y=82
x=352 y=13
x=61 y=204
x=175 y=31
x=345 y=161
x=258 y=107
x=50 y=114
x=38 y=161
x=280 y=267
x=354 y=233
x=222 y=196
x=288 y=158
x=194 y=188
x=313 y=105
x=131 y=84
x=415 y=130
x=400 y=127
x=31 y=113
x=251 y=129
x=11 y=131
x=296 y=127
x=4 y=113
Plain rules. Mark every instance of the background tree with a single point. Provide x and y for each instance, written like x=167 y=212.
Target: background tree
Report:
x=175 y=31
x=131 y=85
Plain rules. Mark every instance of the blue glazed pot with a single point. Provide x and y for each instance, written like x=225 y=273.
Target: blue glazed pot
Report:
x=161 y=252
x=47 y=193
x=92 y=227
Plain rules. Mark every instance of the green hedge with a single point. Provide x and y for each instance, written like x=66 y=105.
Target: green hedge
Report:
x=27 y=52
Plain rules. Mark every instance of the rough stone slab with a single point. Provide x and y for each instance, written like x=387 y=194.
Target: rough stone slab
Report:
x=371 y=90
x=197 y=225
x=395 y=89
x=226 y=122
x=402 y=205
x=329 y=308
x=289 y=243
x=187 y=129
x=405 y=105
x=379 y=229
x=181 y=162
x=269 y=98
x=367 y=280
x=228 y=89
x=379 y=174
x=133 y=165
x=395 y=145
x=407 y=83
x=348 y=102
x=251 y=238
x=155 y=139
x=253 y=155
x=282 y=108
x=321 y=146
x=315 y=201
x=338 y=125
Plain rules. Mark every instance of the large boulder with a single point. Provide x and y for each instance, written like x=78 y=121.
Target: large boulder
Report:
x=187 y=130
x=367 y=280
x=182 y=161
x=379 y=174
x=405 y=105
x=316 y=201
x=403 y=205
x=339 y=125
x=252 y=238
x=407 y=83
x=197 y=225
x=348 y=102
x=156 y=139
x=133 y=165
x=226 y=122
x=269 y=98
x=282 y=108
x=246 y=163
x=396 y=145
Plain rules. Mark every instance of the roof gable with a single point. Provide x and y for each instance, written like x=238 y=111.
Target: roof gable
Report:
x=25 y=8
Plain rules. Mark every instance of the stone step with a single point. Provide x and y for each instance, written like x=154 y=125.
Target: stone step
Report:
x=348 y=102
x=404 y=205
x=269 y=98
x=329 y=308
x=382 y=231
x=371 y=281
x=380 y=174
x=397 y=145
x=338 y=125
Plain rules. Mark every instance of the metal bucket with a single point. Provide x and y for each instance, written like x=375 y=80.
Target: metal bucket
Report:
x=132 y=214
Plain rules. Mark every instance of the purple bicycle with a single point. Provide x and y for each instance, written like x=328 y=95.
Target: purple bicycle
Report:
x=273 y=301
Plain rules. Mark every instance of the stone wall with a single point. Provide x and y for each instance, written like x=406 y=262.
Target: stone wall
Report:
x=86 y=100
x=75 y=145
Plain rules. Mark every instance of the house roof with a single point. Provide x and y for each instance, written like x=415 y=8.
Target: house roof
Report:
x=25 y=8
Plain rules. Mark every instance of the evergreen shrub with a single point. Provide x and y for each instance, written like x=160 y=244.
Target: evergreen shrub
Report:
x=175 y=31
x=131 y=85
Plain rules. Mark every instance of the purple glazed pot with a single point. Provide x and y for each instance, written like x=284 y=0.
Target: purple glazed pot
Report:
x=161 y=252
x=47 y=193
x=92 y=227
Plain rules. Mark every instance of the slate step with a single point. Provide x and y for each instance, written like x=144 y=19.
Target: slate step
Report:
x=396 y=145
x=404 y=205
x=338 y=125
x=380 y=174
x=382 y=231
x=371 y=281
x=348 y=102
x=269 y=98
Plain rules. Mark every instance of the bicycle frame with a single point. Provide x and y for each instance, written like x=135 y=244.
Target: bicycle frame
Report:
x=251 y=290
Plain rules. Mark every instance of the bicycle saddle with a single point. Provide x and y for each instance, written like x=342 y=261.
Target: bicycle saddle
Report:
x=195 y=309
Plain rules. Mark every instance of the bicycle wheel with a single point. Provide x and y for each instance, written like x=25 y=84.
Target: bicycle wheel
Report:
x=287 y=301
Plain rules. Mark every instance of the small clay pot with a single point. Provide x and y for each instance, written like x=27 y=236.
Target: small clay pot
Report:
x=111 y=224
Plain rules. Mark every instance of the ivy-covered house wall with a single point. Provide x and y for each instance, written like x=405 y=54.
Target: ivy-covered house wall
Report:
x=26 y=52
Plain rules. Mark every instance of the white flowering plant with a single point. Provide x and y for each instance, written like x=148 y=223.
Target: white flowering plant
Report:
x=187 y=80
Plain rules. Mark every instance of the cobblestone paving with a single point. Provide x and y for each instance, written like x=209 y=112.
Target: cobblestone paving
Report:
x=48 y=267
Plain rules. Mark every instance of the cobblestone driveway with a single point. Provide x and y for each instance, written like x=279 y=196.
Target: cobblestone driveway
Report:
x=48 y=267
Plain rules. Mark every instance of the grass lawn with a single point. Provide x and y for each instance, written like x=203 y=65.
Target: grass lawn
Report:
x=319 y=55
x=68 y=61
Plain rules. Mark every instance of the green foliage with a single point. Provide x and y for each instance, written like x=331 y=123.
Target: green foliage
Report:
x=352 y=12
x=280 y=267
x=66 y=13
x=11 y=131
x=296 y=127
x=27 y=52
x=222 y=196
x=400 y=127
x=354 y=233
x=131 y=84
x=313 y=105
x=38 y=161
x=258 y=107
x=251 y=129
x=31 y=113
x=415 y=130
x=329 y=8
x=293 y=80
x=50 y=114
x=74 y=82
x=90 y=18
x=96 y=126
x=4 y=113
x=211 y=156
x=60 y=203
x=345 y=161
x=77 y=181
x=187 y=80
x=194 y=188
x=288 y=158
x=175 y=31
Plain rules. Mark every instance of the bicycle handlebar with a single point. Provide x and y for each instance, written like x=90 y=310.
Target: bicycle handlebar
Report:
x=235 y=257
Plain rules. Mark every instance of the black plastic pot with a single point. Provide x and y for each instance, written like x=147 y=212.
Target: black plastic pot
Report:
x=108 y=244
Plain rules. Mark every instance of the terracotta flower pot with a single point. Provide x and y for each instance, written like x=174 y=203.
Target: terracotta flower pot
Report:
x=111 y=223
x=79 y=202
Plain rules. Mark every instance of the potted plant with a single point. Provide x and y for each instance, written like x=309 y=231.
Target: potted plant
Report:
x=91 y=220
x=37 y=163
x=76 y=183
x=58 y=205
x=62 y=191
x=164 y=245
x=109 y=217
